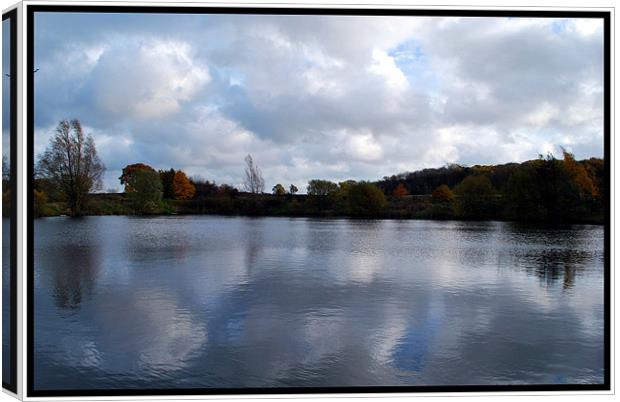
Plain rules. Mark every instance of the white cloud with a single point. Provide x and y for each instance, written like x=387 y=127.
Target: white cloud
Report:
x=384 y=66
x=322 y=97
x=542 y=115
x=587 y=27
x=363 y=147
x=147 y=78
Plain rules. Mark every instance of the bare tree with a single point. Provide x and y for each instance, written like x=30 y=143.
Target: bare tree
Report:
x=253 y=181
x=70 y=163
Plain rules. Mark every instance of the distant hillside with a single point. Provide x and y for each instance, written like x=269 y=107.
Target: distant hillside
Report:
x=422 y=182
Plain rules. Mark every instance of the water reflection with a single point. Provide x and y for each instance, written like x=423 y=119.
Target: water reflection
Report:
x=556 y=255
x=6 y=303
x=236 y=302
x=75 y=278
x=155 y=239
x=554 y=265
x=8 y=176
x=77 y=261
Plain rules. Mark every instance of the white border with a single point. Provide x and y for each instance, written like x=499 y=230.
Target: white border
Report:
x=19 y=206
x=553 y=5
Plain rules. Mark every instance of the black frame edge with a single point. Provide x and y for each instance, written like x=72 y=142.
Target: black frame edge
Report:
x=607 y=163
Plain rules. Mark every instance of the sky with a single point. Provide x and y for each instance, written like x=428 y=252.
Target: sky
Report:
x=6 y=94
x=319 y=96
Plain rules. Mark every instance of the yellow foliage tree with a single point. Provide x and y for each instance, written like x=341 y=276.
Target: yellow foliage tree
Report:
x=182 y=187
x=442 y=194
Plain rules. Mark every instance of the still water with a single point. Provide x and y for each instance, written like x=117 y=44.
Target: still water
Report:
x=209 y=301
x=6 y=301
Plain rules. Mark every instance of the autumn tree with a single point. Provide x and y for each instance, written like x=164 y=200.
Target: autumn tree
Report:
x=442 y=194
x=400 y=191
x=559 y=193
x=253 y=181
x=583 y=179
x=278 y=189
x=293 y=189
x=71 y=164
x=182 y=187
x=442 y=206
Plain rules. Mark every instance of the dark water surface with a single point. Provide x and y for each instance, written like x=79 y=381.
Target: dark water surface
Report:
x=6 y=301
x=207 y=301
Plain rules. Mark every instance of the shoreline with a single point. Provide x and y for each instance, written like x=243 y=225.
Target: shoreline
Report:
x=336 y=217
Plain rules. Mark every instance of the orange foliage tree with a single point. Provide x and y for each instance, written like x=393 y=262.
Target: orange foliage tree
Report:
x=580 y=176
x=183 y=188
x=400 y=191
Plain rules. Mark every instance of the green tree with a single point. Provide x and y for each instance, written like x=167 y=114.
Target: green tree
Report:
x=321 y=194
x=476 y=198
x=365 y=199
x=321 y=187
x=523 y=194
x=559 y=192
x=293 y=189
x=278 y=189
x=71 y=163
x=167 y=180
x=146 y=191
x=227 y=190
x=6 y=187
x=40 y=200
x=128 y=172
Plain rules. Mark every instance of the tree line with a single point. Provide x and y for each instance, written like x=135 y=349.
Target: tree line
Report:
x=544 y=189
x=6 y=187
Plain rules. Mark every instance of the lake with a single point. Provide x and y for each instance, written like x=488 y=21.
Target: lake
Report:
x=6 y=301
x=211 y=301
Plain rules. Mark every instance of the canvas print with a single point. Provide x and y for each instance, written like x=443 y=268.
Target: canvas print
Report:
x=8 y=342
x=249 y=201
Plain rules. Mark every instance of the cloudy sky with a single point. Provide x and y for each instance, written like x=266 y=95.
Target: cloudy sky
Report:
x=6 y=94
x=319 y=96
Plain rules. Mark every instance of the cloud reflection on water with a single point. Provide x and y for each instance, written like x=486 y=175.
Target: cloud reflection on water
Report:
x=281 y=302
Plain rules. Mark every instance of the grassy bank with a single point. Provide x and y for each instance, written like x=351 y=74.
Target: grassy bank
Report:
x=244 y=204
